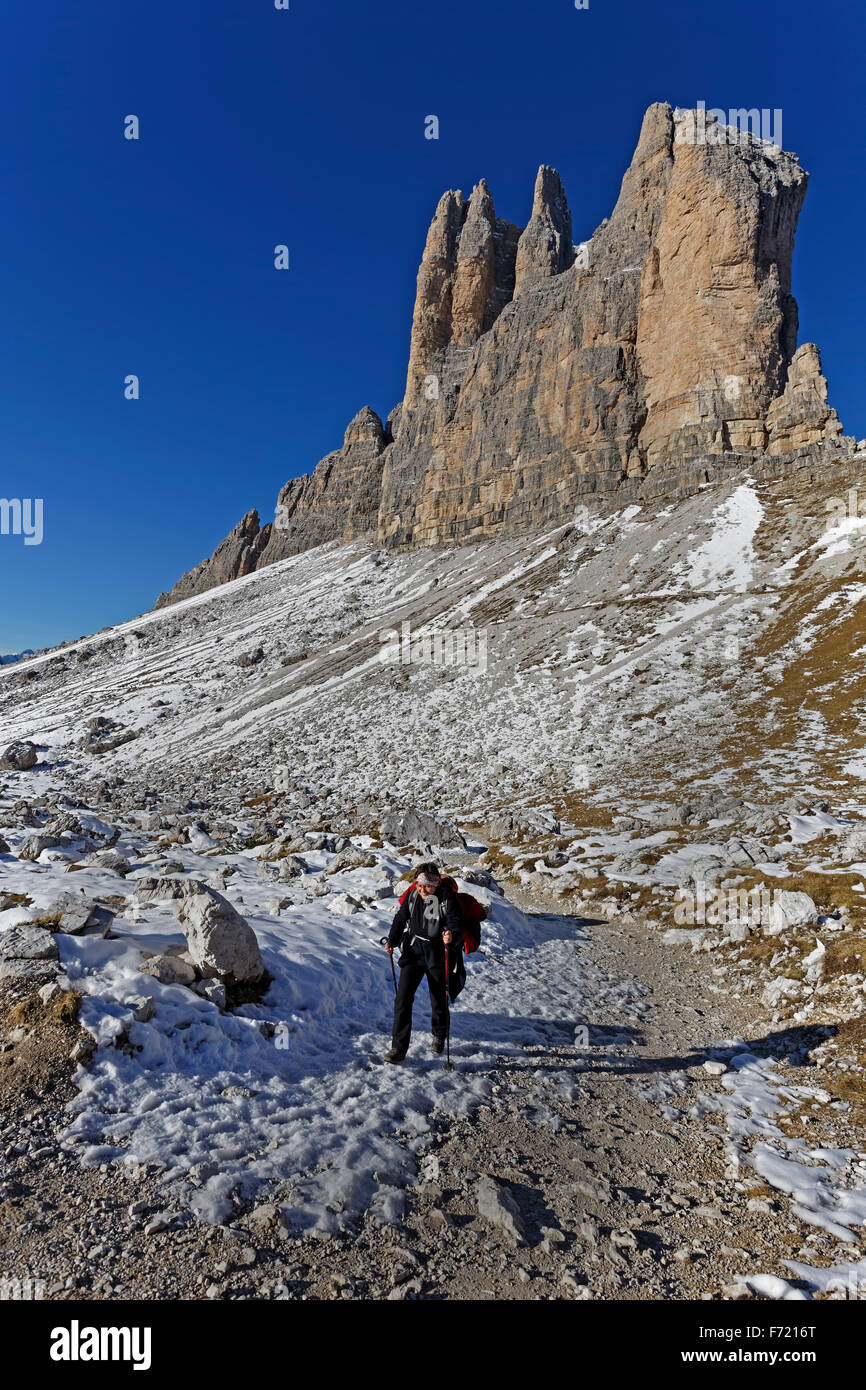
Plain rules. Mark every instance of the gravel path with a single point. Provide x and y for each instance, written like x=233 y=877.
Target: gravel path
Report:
x=593 y=1179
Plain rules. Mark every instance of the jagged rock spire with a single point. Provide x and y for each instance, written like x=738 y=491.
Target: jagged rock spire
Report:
x=431 y=321
x=802 y=417
x=546 y=247
x=366 y=427
x=465 y=280
x=672 y=352
x=475 y=270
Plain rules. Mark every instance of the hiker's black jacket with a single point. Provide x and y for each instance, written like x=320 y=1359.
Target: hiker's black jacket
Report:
x=418 y=926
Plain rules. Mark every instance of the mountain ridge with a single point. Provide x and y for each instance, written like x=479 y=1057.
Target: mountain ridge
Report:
x=649 y=359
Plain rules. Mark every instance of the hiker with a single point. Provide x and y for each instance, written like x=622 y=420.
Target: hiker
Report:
x=427 y=921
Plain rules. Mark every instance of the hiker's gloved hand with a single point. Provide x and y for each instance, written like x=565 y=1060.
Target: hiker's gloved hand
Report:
x=446 y=937
x=390 y=949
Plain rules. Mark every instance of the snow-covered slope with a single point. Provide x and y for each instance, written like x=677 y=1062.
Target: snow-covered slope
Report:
x=634 y=652
x=292 y=1090
x=617 y=663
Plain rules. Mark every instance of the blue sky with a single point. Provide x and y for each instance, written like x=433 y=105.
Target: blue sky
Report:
x=306 y=127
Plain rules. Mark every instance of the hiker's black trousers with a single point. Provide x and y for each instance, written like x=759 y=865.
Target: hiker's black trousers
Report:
x=411 y=975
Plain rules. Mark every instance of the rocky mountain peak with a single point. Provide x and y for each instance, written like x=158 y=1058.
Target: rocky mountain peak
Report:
x=801 y=418
x=365 y=427
x=237 y=555
x=663 y=358
x=546 y=247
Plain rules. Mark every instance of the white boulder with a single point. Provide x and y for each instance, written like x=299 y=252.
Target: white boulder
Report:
x=790 y=910
x=221 y=943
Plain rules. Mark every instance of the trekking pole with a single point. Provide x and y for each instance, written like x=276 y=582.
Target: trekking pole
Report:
x=448 y=1066
x=383 y=941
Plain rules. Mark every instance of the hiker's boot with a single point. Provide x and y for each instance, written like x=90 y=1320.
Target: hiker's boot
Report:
x=394 y=1055
x=437 y=1043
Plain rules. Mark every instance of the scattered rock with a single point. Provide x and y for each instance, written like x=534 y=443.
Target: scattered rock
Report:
x=497 y=1205
x=285 y=869
x=688 y=936
x=168 y=970
x=151 y=890
x=853 y=845
x=25 y=942
x=20 y=756
x=76 y=913
x=266 y=1215
x=414 y=827
x=748 y=851
x=212 y=990
x=159 y=1222
x=344 y=905
x=34 y=845
x=782 y=988
x=403 y=1291
x=142 y=1007
x=110 y=859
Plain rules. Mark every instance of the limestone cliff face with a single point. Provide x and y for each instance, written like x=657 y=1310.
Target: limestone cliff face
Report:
x=550 y=404
x=660 y=349
x=717 y=324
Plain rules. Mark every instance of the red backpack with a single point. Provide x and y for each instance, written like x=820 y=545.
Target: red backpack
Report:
x=472 y=914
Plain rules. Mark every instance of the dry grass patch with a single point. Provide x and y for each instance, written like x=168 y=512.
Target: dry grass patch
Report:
x=602 y=887
x=822 y=680
x=495 y=857
x=758 y=949
x=845 y=955
x=625 y=893
x=47 y=920
x=828 y=891
x=583 y=813
x=32 y=1010
x=851 y=1087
